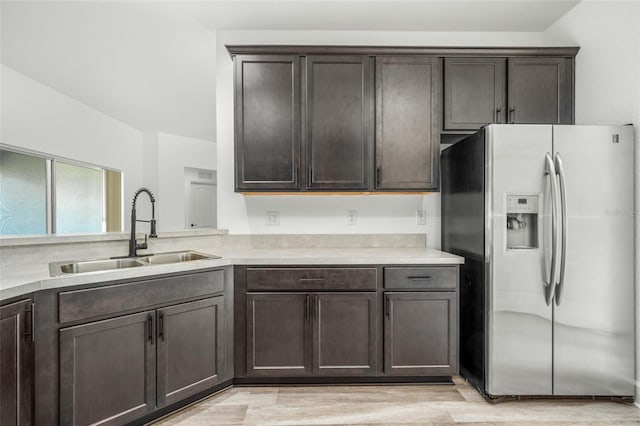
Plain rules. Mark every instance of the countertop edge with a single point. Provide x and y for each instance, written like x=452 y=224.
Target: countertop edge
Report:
x=374 y=257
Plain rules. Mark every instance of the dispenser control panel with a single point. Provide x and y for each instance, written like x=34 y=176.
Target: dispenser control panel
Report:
x=522 y=222
x=522 y=204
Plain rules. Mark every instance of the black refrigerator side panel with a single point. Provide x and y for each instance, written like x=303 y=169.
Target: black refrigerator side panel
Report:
x=463 y=166
x=463 y=233
x=472 y=323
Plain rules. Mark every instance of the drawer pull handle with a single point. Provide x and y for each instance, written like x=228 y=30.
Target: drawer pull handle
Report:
x=420 y=277
x=311 y=280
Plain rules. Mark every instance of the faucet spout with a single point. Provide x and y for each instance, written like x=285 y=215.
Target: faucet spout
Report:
x=133 y=244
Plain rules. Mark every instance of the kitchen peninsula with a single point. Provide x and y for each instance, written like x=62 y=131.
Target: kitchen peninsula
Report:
x=254 y=315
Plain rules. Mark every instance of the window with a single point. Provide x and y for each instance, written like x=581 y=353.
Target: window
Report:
x=23 y=194
x=41 y=194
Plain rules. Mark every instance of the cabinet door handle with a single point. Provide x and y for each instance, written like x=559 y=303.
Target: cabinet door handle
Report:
x=512 y=114
x=378 y=174
x=296 y=172
x=317 y=314
x=309 y=176
x=161 y=325
x=498 y=114
x=30 y=320
x=307 y=314
x=387 y=307
x=150 y=328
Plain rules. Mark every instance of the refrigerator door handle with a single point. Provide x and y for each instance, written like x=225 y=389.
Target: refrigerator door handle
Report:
x=563 y=208
x=550 y=171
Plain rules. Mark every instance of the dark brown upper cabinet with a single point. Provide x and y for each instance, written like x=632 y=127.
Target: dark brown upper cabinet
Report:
x=371 y=118
x=267 y=122
x=475 y=92
x=407 y=122
x=540 y=90
x=338 y=115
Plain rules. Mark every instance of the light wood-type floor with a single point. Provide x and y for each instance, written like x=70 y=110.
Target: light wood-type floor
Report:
x=391 y=404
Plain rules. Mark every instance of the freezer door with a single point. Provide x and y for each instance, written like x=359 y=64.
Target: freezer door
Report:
x=593 y=334
x=519 y=319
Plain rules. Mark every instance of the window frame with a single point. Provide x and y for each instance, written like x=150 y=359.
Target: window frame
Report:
x=50 y=177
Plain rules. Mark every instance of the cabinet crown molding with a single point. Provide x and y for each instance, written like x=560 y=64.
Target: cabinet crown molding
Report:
x=566 y=51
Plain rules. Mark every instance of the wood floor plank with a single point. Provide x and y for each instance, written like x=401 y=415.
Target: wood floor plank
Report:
x=411 y=404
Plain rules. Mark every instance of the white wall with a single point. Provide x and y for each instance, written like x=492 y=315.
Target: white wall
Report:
x=608 y=82
x=174 y=154
x=317 y=214
x=637 y=123
x=150 y=161
x=38 y=118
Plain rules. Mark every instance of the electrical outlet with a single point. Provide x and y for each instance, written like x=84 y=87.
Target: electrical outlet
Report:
x=352 y=217
x=272 y=218
x=421 y=217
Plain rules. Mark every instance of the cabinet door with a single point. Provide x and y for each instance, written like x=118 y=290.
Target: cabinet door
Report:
x=278 y=334
x=107 y=370
x=540 y=90
x=420 y=333
x=344 y=334
x=474 y=92
x=267 y=132
x=16 y=364
x=190 y=348
x=339 y=114
x=407 y=122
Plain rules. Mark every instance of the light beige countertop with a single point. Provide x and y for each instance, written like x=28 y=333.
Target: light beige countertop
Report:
x=22 y=280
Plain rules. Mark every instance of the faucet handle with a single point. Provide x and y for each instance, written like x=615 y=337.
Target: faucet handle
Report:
x=143 y=245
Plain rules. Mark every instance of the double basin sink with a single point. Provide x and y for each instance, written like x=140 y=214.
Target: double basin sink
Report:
x=63 y=268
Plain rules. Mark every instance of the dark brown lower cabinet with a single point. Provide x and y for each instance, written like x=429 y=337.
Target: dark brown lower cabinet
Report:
x=298 y=334
x=107 y=370
x=117 y=370
x=278 y=331
x=16 y=364
x=344 y=334
x=420 y=333
x=190 y=348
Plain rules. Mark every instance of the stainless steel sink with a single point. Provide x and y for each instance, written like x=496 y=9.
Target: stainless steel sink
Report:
x=71 y=267
x=58 y=268
x=176 y=257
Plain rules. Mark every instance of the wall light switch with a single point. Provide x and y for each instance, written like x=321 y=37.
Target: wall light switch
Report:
x=352 y=217
x=421 y=217
x=272 y=218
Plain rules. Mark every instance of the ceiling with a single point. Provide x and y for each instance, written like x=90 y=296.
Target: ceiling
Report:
x=151 y=64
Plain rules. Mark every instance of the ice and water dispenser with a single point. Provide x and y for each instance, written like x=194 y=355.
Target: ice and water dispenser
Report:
x=522 y=222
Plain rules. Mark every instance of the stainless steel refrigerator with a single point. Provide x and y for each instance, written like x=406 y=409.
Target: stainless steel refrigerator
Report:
x=544 y=216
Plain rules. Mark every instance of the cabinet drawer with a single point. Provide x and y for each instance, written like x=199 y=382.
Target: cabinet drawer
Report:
x=311 y=279
x=95 y=302
x=434 y=277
